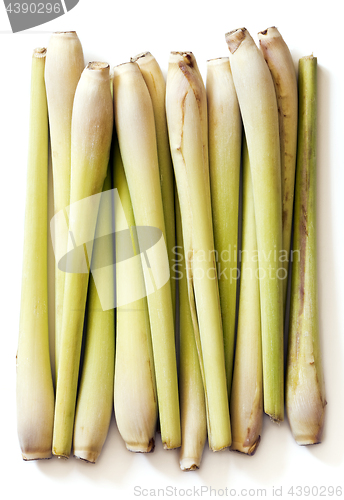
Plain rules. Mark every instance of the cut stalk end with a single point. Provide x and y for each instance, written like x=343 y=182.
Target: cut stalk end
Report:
x=143 y=55
x=89 y=456
x=249 y=450
x=141 y=447
x=28 y=456
x=234 y=39
x=271 y=32
x=40 y=52
x=188 y=464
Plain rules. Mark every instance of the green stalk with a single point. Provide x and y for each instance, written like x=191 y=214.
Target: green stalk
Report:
x=281 y=65
x=35 y=393
x=155 y=82
x=186 y=107
x=305 y=394
x=258 y=106
x=65 y=62
x=137 y=141
x=136 y=408
x=95 y=395
x=224 y=122
x=192 y=402
x=92 y=123
x=247 y=392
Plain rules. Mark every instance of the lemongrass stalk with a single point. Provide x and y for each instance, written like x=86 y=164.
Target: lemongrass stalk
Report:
x=224 y=122
x=305 y=393
x=95 y=395
x=65 y=62
x=35 y=393
x=137 y=141
x=280 y=62
x=136 y=407
x=92 y=123
x=192 y=402
x=155 y=82
x=258 y=105
x=186 y=107
x=246 y=402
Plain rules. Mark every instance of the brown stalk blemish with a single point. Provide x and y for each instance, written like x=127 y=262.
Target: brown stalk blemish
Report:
x=234 y=39
x=254 y=447
x=98 y=66
x=151 y=446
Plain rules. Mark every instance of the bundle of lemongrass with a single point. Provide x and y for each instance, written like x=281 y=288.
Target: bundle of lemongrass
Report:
x=175 y=168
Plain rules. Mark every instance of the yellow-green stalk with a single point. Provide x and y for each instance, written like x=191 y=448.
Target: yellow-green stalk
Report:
x=92 y=123
x=192 y=402
x=155 y=82
x=35 y=393
x=186 y=107
x=258 y=105
x=305 y=394
x=280 y=62
x=137 y=142
x=136 y=408
x=95 y=395
x=65 y=62
x=224 y=122
x=246 y=402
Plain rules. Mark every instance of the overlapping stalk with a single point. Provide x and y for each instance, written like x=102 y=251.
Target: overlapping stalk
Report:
x=65 y=62
x=246 y=402
x=92 y=123
x=192 y=402
x=186 y=109
x=224 y=122
x=305 y=394
x=95 y=395
x=137 y=141
x=155 y=82
x=135 y=391
x=35 y=393
x=280 y=62
x=258 y=105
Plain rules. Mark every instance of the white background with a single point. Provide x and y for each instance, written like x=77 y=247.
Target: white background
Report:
x=114 y=31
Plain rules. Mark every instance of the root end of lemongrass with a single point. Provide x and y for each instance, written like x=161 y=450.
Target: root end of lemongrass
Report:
x=140 y=56
x=29 y=457
x=307 y=441
x=234 y=39
x=275 y=419
x=189 y=464
x=58 y=455
x=247 y=450
x=272 y=32
x=87 y=456
x=98 y=66
x=141 y=448
x=170 y=446
x=40 y=52
x=215 y=450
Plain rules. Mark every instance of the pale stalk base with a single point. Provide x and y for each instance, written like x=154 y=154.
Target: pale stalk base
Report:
x=37 y=455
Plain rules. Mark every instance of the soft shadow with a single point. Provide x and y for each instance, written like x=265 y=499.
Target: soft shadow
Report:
x=269 y=462
x=113 y=465
x=165 y=461
x=331 y=450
